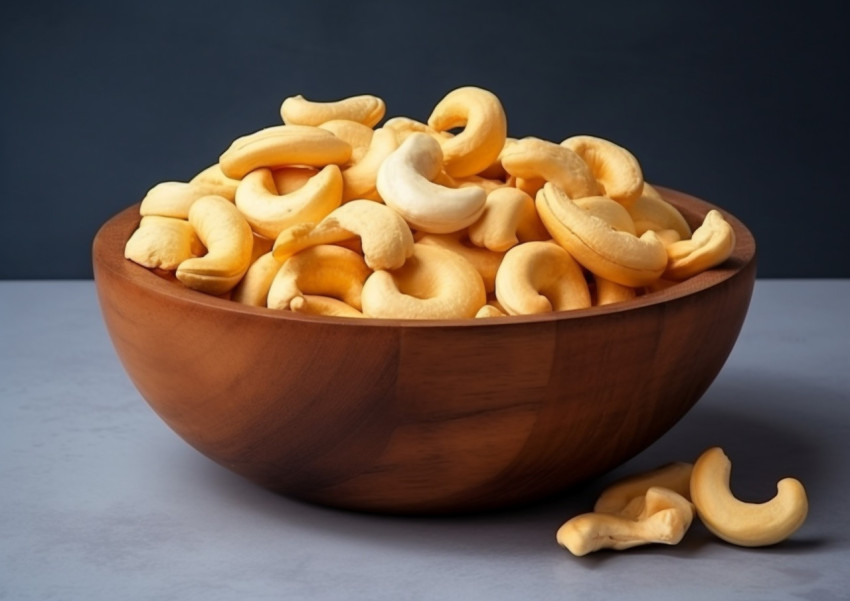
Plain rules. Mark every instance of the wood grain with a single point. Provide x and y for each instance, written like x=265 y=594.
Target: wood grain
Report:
x=413 y=416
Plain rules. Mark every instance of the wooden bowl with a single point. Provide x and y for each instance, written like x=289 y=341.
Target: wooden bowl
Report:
x=400 y=416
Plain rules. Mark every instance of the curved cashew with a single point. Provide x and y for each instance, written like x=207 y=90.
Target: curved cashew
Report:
x=404 y=127
x=490 y=310
x=327 y=270
x=283 y=145
x=365 y=109
x=608 y=210
x=488 y=185
x=162 y=243
x=434 y=283
x=216 y=181
x=316 y=304
x=737 y=522
x=608 y=292
x=615 y=168
x=485 y=127
x=711 y=244
x=665 y=517
x=386 y=240
x=270 y=213
x=536 y=159
x=651 y=212
x=539 y=277
x=619 y=497
x=357 y=135
x=358 y=179
x=253 y=288
x=228 y=239
x=404 y=183
x=529 y=185
x=616 y=256
x=173 y=199
x=509 y=217
x=486 y=262
x=290 y=179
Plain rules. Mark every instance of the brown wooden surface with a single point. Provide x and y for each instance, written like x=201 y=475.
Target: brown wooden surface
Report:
x=415 y=416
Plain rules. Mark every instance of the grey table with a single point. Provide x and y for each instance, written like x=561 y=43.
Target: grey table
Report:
x=100 y=500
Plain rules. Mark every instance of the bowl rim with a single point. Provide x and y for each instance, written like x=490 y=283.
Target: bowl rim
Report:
x=112 y=236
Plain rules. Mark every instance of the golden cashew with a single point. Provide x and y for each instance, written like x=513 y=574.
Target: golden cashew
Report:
x=486 y=262
x=403 y=127
x=163 y=243
x=253 y=288
x=616 y=256
x=608 y=210
x=651 y=212
x=269 y=213
x=357 y=135
x=711 y=244
x=619 y=498
x=539 y=277
x=386 y=240
x=283 y=145
x=737 y=522
x=289 y=179
x=509 y=217
x=173 y=199
x=358 y=179
x=228 y=238
x=490 y=310
x=434 y=283
x=530 y=185
x=405 y=184
x=365 y=109
x=326 y=270
x=615 y=168
x=665 y=518
x=608 y=292
x=217 y=182
x=485 y=126
x=536 y=159
x=488 y=185
x=316 y=304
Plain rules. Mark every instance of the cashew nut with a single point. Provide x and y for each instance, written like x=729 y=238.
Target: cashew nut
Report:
x=608 y=292
x=358 y=179
x=619 y=497
x=283 y=145
x=482 y=117
x=405 y=184
x=365 y=109
x=539 y=277
x=289 y=179
x=490 y=310
x=616 y=169
x=357 y=135
x=486 y=262
x=316 y=304
x=326 y=269
x=604 y=251
x=434 y=283
x=711 y=244
x=270 y=213
x=536 y=159
x=509 y=217
x=608 y=210
x=253 y=288
x=214 y=180
x=651 y=212
x=228 y=238
x=665 y=517
x=162 y=243
x=173 y=199
x=737 y=522
x=403 y=127
x=386 y=240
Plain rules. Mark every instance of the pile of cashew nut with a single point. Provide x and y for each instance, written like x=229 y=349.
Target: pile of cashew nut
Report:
x=330 y=214
x=659 y=506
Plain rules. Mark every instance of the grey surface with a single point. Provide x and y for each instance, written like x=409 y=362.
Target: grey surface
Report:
x=100 y=500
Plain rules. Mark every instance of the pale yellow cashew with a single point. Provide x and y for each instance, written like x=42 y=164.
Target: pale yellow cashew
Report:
x=404 y=127
x=488 y=185
x=365 y=109
x=509 y=218
x=651 y=212
x=490 y=310
x=358 y=179
x=619 y=498
x=665 y=518
x=218 y=183
x=711 y=244
x=289 y=179
x=326 y=270
x=535 y=159
x=616 y=169
x=253 y=288
x=668 y=237
x=386 y=240
x=283 y=145
x=485 y=126
x=228 y=238
x=434 y=283
x=485 y=261
x=608 y=210
x=173 y=199
x=604 y=251
x=737 y=522
x=529 y=185
x=540 y=277
x=357 y=135
x=316 y=304
x=162 y=243
x=269 y=213
x=608 y=292
x=405 y=184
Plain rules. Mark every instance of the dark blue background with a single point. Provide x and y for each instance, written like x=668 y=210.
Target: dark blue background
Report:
x=743 y=106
